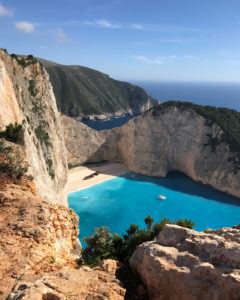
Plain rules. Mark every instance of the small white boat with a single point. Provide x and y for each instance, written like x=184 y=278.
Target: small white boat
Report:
x=161 y=197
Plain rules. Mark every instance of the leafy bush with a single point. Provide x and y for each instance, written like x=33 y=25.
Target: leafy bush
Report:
x=105 y=244
x=32 y=87
x=24 y=61
x=12 y=160
x=42 y=135
x=13 y=133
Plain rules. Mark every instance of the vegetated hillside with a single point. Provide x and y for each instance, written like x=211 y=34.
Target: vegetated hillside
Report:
x=82 y=91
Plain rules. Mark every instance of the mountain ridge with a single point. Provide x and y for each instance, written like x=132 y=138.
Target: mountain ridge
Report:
x=82 y=92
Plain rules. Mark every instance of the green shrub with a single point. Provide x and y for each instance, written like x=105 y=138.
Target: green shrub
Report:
x=42 y=135
x=13 y=133
x=32 y=87
x=12 y=160
x=104 y=244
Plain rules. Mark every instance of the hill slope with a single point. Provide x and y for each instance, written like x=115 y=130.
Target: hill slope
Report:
x=83 y=92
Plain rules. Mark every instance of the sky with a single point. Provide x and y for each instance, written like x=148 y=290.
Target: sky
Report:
x=154 y=40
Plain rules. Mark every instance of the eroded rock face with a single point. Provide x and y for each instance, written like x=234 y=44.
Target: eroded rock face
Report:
x=183 y=264
x=73 y=284
x=26 y=97
x=178 y=140
x=35 y=237
x=83 y=143
x=172 y=139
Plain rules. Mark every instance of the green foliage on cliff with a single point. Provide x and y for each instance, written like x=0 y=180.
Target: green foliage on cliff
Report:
x=42 y=135
x=227 y=119
x=84 y=91
x=13 y=133
x=32 y=87
x=105 y=244
x=24 y=61
x=12 y=160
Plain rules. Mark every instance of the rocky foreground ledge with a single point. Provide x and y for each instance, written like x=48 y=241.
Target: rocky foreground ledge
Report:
x=183 y=264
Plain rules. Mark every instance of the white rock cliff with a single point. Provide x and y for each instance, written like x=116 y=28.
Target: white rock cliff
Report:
x=154 y=144
x=26 y=97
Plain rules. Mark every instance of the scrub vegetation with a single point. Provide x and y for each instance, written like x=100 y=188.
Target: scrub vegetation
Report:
x=104 y=244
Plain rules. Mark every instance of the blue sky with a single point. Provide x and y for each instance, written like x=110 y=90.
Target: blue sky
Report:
x=156 y=40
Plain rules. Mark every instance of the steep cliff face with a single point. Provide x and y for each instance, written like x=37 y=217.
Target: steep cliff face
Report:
x=170 y=138
x=83 y=144
x=84 y=92
x=182 y=264
x=26 y=97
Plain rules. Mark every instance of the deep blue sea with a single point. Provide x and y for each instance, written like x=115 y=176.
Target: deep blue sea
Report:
x=126 y=200
x=215 y=94
x=106 y=124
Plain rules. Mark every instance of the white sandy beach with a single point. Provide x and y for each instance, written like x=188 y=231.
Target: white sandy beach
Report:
x=106 y=171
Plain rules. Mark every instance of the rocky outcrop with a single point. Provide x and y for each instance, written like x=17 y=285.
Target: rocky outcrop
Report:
x=184 y=264
x=26 y=97
x=83 y=144
x=86 y=145
x=35 y=237
x=167 y=138
x=73 y=284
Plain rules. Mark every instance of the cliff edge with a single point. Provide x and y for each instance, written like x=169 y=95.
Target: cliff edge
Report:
x=27 y=98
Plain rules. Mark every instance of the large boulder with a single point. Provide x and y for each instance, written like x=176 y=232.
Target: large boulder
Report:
x=183 y=264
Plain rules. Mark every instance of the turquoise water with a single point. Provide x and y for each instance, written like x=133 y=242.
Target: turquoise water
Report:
x=121 y=201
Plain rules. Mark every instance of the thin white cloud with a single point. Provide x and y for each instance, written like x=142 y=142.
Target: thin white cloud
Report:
x=233 y=62
x=26 y=27
x=157 y=60
x=176 y=40
x=103 y=23
x=190 y=57
x=142 y=43
x=5 y=11
x=61 y=37
x=137 y=26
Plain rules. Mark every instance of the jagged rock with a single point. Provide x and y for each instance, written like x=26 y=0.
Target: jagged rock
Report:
x=73 y=284
x=35 y=237
x=83 y=143
x=184 y=264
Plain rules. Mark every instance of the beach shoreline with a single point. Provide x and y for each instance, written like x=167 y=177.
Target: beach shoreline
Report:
x=107 y=171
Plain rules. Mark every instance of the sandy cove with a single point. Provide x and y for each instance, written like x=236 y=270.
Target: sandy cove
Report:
x=106 y=171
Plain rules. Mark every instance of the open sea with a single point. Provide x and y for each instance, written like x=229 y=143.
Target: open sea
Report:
x=214 y=94
x=128 y=199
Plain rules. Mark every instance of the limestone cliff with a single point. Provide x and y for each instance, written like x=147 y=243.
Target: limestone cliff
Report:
x=82 y=142
x=180 y=139
x=26 y=97
x=171 y=137
x=182 y=264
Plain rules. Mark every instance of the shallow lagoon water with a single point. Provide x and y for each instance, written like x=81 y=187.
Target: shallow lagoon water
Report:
x=125 y=200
